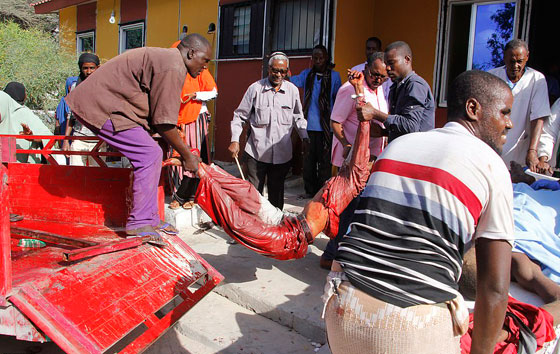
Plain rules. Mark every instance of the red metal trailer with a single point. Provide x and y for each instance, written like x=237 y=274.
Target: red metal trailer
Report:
x=114 y=302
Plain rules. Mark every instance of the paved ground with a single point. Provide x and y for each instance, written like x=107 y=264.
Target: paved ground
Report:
x=263 y=305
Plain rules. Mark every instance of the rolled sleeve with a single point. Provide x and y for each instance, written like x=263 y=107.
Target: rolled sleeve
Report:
x=242 y=114
x=343 y=105
x=165 y=97
x=496 y=219
x=540 y=106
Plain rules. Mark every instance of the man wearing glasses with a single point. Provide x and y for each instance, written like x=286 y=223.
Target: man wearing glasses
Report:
x=411 y=103
x=368 y=83
x=272 y=108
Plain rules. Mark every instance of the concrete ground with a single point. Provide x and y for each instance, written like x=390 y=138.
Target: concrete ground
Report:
x=262 y=306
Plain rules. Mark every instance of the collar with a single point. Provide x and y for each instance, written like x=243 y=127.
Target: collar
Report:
x=457 y=127
x=268 y=86
x=508 y=81
x=406 y=78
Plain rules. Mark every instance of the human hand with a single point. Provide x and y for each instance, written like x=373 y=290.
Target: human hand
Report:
x=355 y=77
x=365 y=112
x=531 y=160
x=234 y=149
x=190 y=162
x=188 y=97
x=26 y=130
x=543 y=166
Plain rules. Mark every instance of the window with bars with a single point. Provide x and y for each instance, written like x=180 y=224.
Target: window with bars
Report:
x=297 y=25
x=241 y=29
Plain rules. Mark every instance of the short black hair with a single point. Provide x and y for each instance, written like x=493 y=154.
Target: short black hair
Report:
x=376 y=40
x=16 y=90
x=476 y=84
x=516 y=43
x=374 y=57
x=401 y=46
x=195 y=41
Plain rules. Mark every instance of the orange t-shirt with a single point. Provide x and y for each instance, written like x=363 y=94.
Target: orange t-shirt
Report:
x=189 y=111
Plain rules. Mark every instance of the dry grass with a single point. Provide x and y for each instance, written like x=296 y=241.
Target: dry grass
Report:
x=20 y=12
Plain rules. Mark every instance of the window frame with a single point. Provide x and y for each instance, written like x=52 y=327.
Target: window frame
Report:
x=324 y=29
x=131 y=26
x=256 y=30
x=520 y=29
x=82 y=35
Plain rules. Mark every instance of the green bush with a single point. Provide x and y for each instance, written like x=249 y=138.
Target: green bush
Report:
x=34 y=58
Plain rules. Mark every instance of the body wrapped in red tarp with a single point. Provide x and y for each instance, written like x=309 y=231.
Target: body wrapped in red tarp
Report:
x=247 y=217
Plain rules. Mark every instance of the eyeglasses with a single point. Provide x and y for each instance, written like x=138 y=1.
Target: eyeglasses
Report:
x=278 y=71
x=375 y=76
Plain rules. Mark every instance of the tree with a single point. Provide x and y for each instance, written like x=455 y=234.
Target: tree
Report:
x=503 y=18
x=33 y=57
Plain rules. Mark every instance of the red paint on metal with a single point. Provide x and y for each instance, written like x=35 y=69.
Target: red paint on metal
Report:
x=88 y=306
x=86 y=252
x=5 y=258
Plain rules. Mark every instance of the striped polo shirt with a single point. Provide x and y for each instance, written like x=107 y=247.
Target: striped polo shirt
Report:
x=430 y=195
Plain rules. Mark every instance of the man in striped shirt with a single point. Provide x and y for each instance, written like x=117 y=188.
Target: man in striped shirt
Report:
x=431 y=196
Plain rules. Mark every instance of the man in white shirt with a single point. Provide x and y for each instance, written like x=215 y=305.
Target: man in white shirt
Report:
x=373 y=45
x=530 y=108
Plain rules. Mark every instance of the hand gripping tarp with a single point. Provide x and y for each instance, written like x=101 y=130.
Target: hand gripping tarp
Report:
x=250 y=219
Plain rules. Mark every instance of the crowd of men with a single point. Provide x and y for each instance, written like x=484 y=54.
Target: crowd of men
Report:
x=432 y=193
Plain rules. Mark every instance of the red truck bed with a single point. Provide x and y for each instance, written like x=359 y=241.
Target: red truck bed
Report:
x=120 y=301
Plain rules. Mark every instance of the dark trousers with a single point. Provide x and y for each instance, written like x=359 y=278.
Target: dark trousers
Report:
x=316 y=163
x=274 y=174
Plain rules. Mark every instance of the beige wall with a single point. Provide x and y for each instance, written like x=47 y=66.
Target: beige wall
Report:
x=67 y=27
x=107 y=34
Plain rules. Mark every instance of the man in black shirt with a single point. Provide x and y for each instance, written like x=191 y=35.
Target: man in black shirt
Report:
x=411 y=103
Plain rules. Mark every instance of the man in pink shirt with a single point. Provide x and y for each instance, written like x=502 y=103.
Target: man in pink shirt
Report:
x=344 y=118
x=344 y=124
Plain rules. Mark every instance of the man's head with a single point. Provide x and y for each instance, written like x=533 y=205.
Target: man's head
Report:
x=278 y=65
x=88 y=63
x=320 y=58
x=16 y=90
x=516 y=54
x=196 y=52
x=375 y=71
x=398 y=58
x=373 y=45
x=482 y=103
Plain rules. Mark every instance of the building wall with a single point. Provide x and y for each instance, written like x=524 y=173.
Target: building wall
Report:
x=67 y=28
x=107 y=34
x=415 y=23
x=353 y=26
x=162 y=23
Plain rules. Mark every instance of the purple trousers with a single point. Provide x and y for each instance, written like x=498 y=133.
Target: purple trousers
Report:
x=146 y=156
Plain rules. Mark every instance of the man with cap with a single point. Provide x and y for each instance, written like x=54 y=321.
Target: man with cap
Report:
x=16 y=90
x=88 y=63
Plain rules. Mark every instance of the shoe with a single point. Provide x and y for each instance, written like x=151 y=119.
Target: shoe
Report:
x=325 y=263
